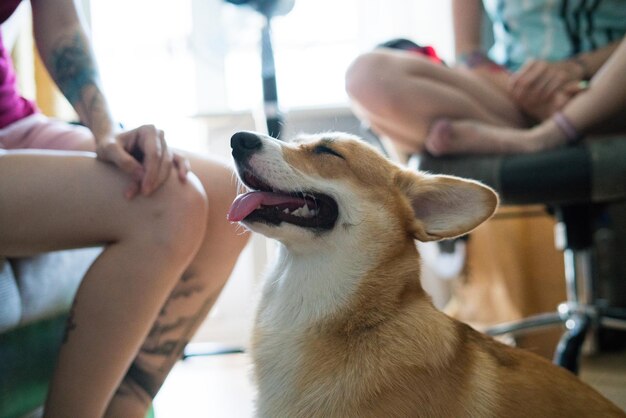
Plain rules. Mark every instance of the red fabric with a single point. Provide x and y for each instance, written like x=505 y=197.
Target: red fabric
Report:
x=429 y=52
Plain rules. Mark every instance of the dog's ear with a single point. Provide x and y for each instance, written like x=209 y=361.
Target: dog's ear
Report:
x=445 y=206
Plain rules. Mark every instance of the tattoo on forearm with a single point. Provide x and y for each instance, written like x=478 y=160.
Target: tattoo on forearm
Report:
x=73 y=67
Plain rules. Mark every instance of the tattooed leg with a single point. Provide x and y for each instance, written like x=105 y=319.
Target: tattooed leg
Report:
x=192 y=298
x=149 y=243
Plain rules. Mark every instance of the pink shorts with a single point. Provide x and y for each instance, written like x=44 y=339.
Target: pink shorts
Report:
x=40 y=132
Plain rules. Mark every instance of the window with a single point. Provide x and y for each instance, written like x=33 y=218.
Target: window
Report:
x=162 y=59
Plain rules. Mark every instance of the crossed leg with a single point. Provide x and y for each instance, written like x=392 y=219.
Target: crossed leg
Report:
x=401 y=94
x=598 y=110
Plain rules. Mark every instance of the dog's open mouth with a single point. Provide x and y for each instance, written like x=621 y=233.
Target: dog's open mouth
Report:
x=266 y=204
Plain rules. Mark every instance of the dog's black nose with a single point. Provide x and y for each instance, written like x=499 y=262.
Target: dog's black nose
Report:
x=245 y=143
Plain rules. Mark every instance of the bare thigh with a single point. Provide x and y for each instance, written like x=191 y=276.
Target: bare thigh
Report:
x=409 y=91
x=488 y=94
x=51 y=200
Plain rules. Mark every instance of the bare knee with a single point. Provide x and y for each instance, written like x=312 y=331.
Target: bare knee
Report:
x=365 y=78
x=175 y=217
x=375 y=80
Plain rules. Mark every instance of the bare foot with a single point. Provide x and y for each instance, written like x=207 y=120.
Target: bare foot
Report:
x=469 y=137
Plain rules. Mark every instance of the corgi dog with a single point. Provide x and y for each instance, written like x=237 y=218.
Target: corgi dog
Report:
x=343 y=327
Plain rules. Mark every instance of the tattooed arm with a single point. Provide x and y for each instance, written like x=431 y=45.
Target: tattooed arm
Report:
x=66 y=52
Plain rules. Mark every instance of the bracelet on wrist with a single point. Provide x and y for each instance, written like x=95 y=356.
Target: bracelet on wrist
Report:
x=572 y=136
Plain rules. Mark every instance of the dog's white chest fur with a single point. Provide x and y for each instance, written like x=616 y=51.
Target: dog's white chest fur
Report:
x=298 y=293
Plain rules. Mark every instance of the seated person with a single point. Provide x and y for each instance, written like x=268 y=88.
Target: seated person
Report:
x=168 y=248
x=408 y=98
x=599 y=109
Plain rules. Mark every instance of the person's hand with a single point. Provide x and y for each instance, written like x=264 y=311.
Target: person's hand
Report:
x=563 y=96
x=537 y=83
x=143 y=154
x=544 y=109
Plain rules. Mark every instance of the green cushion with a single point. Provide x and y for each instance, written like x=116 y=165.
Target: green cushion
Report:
x=27 y=358
x=28 y=355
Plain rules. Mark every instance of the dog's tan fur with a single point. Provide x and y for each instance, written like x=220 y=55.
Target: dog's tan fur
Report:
x=383 y=350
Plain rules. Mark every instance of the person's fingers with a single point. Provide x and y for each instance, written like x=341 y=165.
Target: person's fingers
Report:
x=530 y=79
x=182 y=166
x=574 y=87
x=520 y=77
x=117 y=155
x=132 y=190
x=553 y=84
x=164 y=167
x=527 y=83
x=143 y=153
x=150 y=143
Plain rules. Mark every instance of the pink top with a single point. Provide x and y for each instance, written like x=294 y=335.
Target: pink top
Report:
x=13 y=106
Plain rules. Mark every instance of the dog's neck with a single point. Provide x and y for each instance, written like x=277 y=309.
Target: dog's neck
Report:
x=327 y=294
x=307 y=288
x=304 y=288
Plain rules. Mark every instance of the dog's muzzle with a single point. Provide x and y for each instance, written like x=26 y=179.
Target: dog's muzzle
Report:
x=270 y=205
x=244 y=144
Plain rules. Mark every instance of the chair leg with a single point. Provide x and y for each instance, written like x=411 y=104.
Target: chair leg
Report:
x=581 y=312
x=613 y=323
x=525 y=325
x=613 y=318
x=568 y=350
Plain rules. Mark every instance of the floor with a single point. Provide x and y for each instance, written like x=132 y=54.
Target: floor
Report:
x=218 y=386
x=215 y=386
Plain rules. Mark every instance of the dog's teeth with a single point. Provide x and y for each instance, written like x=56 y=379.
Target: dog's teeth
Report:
x=286 y=211
x=304 y=212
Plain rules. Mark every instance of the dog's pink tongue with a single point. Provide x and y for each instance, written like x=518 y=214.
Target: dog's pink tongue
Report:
x=246 y=203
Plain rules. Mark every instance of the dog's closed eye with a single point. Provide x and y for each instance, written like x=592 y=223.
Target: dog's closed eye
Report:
x=324 y=149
